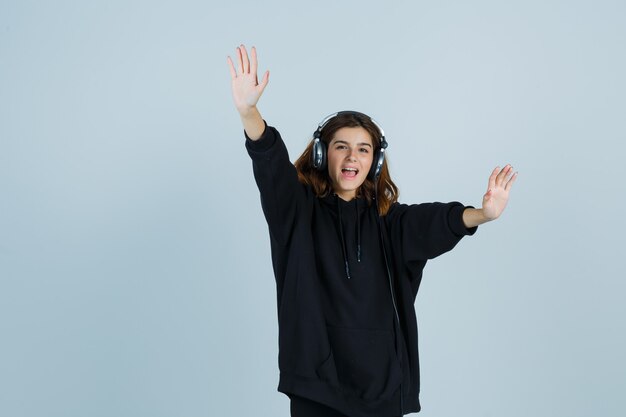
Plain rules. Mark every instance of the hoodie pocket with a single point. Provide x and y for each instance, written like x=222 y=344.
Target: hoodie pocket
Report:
x=362 y=362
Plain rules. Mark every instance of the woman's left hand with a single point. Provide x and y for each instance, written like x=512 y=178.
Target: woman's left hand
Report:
x=497 y=195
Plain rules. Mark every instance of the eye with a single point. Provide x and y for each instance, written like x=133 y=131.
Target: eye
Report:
x=341 y=147
x=364 y=150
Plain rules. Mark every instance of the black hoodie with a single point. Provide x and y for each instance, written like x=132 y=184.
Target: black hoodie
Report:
x=341 y=342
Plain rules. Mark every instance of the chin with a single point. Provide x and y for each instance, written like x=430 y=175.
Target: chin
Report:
x=342 y=186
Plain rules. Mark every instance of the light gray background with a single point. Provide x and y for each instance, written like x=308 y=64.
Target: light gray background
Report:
x=135 y=273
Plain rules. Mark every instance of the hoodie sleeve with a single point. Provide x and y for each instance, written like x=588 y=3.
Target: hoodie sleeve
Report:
x=424 y=231
x=277 y=180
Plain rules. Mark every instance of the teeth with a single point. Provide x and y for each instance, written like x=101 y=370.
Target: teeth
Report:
x=350 y=169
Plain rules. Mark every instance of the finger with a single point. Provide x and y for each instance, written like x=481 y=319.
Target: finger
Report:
x=508 y=175
x=244 y=56
x=492 y=177
x=253 y=61
x=502 y=175
x=231 y=67
x=239 y=61
x=510 y=183
x=264 y=81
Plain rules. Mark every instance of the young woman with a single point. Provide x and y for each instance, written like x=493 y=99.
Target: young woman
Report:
x=347 y=257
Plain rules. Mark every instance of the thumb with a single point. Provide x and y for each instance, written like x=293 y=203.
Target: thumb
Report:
x=264 y=81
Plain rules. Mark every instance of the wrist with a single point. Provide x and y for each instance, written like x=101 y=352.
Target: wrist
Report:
x=248 y=113
x=253 y=123
x=481 y=216
x=474 y=217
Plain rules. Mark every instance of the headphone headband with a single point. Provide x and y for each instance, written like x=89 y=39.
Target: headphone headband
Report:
x=328 y=118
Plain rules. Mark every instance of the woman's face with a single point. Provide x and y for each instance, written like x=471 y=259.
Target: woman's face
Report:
x=350 y=154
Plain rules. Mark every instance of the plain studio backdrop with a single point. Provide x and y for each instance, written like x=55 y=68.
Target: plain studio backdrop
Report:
x=135 y=271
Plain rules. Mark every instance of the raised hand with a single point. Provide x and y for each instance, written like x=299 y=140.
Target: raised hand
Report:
x=497 y=195
x=246 y=88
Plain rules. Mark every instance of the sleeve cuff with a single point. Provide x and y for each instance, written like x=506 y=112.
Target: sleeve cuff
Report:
x=455 y=220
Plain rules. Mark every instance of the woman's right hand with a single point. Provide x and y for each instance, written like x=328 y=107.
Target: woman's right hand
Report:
x=244 y=82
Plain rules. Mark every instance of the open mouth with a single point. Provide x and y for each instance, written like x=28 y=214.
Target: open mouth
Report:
x=349 y=172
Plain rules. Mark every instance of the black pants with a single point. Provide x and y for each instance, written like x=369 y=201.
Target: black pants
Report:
x=303 y=407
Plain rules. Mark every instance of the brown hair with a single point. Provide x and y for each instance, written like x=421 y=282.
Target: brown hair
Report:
x=319 y=181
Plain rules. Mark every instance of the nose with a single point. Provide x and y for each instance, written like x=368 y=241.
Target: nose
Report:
x=352 y=155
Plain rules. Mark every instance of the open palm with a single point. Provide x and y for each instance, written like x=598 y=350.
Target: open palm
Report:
x=497 y=195
x=245 y=85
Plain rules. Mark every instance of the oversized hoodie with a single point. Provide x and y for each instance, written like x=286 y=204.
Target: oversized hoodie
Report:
x=346 y=339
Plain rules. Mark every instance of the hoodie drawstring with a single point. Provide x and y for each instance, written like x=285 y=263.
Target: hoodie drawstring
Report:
x=343 y=240
x=358 y=233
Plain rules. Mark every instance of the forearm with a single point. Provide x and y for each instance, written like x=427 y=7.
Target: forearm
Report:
x=252 y=123
x=278 y=183
x=473 y=217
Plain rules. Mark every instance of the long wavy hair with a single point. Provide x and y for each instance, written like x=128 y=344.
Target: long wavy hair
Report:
x=384 y=189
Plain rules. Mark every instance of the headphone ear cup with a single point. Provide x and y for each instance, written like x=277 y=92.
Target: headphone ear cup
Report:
x=377 y=165
x=319 y=155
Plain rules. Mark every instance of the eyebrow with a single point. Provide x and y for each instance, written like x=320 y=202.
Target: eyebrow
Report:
x=358 y=144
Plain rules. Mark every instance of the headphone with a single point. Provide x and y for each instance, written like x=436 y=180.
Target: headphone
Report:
x=319 y=158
